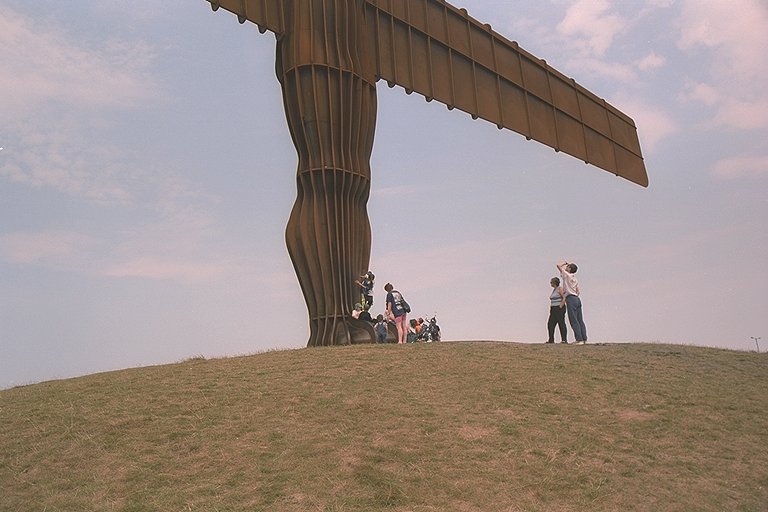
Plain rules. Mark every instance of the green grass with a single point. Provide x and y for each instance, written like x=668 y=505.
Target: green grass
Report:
x=436 y=427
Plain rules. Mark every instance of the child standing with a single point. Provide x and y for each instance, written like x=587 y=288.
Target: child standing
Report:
x=381 y=329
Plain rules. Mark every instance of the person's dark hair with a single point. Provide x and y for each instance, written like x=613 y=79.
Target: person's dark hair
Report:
x=573 y=267
x=388 y=287
x=555 y=280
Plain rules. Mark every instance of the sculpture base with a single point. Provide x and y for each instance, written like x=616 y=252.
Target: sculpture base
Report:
x=340 y=331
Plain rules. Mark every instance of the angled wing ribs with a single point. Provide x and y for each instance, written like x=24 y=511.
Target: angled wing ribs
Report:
x=267 y=14
x=437 y=50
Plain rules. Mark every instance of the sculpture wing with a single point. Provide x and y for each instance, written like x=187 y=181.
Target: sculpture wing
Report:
x=267 y=14
x=439 y=51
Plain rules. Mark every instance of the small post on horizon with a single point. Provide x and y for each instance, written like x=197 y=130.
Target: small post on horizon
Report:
x=756 y=338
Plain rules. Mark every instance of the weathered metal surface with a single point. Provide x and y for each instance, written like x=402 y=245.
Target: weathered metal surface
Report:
x=267 y=14
x=329 y=91
x=331 y=53
x=439 y=51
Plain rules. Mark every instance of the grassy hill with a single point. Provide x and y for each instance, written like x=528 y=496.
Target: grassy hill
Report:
x=434 y=427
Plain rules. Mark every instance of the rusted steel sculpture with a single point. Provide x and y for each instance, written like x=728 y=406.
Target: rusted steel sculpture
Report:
x=331 y=53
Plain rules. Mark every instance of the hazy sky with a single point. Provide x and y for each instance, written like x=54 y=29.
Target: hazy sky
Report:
x=147 y=175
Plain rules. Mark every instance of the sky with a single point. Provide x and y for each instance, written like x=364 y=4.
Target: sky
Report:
x=147 y=175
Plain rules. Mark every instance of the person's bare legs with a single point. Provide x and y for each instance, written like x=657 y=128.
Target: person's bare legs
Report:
x=401 y=329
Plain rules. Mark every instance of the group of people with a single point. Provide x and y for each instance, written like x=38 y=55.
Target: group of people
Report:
x=421 y=330
x=565 y=299
x=397 y=309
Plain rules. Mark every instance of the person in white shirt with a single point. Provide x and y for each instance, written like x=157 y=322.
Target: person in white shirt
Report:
x=571 y=288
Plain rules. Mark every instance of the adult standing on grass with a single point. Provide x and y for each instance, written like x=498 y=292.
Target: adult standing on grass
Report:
x=557 y=312
x=396 y=311
x=572 y=300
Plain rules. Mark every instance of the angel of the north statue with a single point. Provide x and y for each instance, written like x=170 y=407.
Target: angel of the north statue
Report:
x=331 y=53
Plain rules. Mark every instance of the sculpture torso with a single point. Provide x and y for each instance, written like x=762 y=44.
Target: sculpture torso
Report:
x=329 y=93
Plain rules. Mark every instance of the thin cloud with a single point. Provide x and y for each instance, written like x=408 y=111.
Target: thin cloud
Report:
x=57 y=95
x=741 y=167
x=734 y=33
x=702 y=93
x=396 y=191
x=656 y=124
x=58 y=159
x=181 y=243
x=184 y=247
x=593 y=26
x=623 y=73
x=165 y=268
x=743 y=114
x=426 y=268
x=651 y=61
x=57 y=249
x=41 y=64
x=210 y=262
x=63 y=157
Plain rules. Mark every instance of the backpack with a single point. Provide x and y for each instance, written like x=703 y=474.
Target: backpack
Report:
x=401 y=301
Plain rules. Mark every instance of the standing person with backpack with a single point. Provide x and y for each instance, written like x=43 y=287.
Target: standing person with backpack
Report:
x=572 y=300
x=397 y=309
